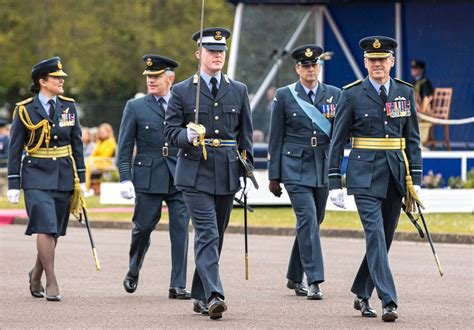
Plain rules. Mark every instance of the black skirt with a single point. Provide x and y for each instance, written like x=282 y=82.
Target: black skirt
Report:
x=48 y=211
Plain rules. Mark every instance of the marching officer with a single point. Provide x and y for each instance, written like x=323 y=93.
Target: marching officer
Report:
x=153 y=169
x=51 y=174
x=384 y=166
x=300 y=132
x=208 y=167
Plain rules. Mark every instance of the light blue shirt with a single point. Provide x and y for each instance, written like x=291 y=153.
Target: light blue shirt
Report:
x=207 y=79
x=44 y=102
x=315 y=89
x=376 y=85
x=166 y=98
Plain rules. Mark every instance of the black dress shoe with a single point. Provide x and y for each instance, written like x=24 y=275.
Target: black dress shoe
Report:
x=130 y=283
x=300 y=289
x=363 y=305
x=200 y=307
x=216 y=307
x=53 y=298
x=179 y=293
x=314 y=292
x=36 y=294
x=389 y=313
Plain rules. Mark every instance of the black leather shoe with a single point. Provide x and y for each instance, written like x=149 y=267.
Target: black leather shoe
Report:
x=314 y=292
x=216 y=307
x=53 y=298
x=36 y=294
x=300 y=289
x=389 y=313
x=363 y=305
x=200 y=307
x=179 y=293
x=130 y=283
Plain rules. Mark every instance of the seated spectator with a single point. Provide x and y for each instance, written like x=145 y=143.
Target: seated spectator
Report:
x=4 y=142
x=87 y=141
x=101 y=157
x=423 y=87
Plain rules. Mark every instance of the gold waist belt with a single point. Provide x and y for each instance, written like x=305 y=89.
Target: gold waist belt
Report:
x=378 y=143
x=52 y=152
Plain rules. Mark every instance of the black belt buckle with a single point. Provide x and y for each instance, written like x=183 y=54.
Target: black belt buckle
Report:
x=164 y=151
x=314 y=141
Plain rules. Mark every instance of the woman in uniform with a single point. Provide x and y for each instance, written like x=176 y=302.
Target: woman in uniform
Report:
x=46 y=127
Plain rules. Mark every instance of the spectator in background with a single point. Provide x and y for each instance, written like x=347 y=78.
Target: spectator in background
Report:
x=101 y=157
x=4 y=142
x=423 y=87
x=87 y=141
x=261 y=116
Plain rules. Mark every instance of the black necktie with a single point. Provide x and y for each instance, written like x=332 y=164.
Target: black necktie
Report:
x=310 y=95
x=51 y=109
x=161 y=102
x=383 y=94
x=214 y=89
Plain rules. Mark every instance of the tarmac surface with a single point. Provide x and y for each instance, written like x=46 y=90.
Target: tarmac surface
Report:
x=94 y=299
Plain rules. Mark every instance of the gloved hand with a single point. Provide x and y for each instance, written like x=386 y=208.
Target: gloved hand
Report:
x=275 y=188
x=191 y=134
x=83 y=188
x=337 y=197
x=246 y=187
x=127 y=190
x=417 y=189
x=13 y=195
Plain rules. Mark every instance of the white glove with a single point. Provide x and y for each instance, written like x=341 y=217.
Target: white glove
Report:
x=417 y=189
x=246 y=187
x=337 y=197
x=83 y=188
x=13 y=195
x=191 y=134
x=127 y=190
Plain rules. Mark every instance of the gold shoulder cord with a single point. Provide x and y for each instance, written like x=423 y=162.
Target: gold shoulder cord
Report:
x=43 y=125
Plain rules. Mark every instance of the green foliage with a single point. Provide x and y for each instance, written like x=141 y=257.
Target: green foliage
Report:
x=101 y=44
x=456 y=182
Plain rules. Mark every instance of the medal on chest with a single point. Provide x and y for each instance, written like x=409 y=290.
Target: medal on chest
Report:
x=66 y=119
x=399 y=108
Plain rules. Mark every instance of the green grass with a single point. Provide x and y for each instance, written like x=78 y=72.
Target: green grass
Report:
x=449 y=223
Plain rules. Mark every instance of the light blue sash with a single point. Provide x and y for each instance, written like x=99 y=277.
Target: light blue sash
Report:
x=312 y=112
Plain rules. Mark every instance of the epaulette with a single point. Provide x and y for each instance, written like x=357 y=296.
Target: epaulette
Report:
x=403 y=82
x=352 y=84
x=25 y=101
x=66 y=98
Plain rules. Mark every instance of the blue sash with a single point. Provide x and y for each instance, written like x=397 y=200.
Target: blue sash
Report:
x=312 y=112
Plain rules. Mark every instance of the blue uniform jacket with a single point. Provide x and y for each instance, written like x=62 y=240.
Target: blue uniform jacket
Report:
x=298 y=149
x=360 y=113
x=227 y=117
x=46 y=173
x=143 y=124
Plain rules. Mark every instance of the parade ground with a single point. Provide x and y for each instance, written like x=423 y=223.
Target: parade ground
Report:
x=94 y=299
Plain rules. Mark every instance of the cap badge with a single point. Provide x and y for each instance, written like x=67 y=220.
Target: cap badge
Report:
x=218 y=35
x=60 y=66
x=376 y=44
x=149 y=62
x=308 y=52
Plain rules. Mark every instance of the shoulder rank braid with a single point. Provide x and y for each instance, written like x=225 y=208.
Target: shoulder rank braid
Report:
x=403 y=82
x=355 y=83
x=43 y=125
